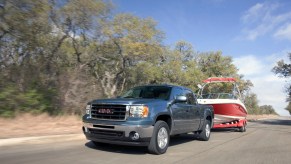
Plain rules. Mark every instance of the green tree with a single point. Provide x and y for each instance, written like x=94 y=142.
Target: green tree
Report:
x=283 y=69
x=184 y=56
x=185 y=50
x=56 y=56
x=128 y=42
x=214 y=64
x=267 y=109
x=78 y=25
x=173 y=66
x=25 y=35
x=42 y=45
x=252 y=104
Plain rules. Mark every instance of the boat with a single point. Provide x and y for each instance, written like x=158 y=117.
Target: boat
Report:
x=225 y=97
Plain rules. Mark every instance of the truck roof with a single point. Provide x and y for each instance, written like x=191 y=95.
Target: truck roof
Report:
x=166 y=85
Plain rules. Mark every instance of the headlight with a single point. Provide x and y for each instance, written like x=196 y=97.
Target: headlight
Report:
x=138 y=111
x=88 y=108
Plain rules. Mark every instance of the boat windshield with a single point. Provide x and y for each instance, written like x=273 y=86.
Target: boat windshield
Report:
x=220 y=91
x=148 y=92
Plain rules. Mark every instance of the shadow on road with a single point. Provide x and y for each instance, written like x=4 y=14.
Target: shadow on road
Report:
x=224 y=130
x=182 y=138
x=138 y=150
x=274 y=122
x=117 y=148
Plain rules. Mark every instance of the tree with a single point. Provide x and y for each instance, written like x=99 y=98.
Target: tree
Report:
x=78 y=25
x=214 y=64
x=25 y=36
x=252 y=104
x=128 y=41
x=283 y=70
x=44 y=50
x=175 y=66
x=267 y=109
x=54 y=56
x=185 y=50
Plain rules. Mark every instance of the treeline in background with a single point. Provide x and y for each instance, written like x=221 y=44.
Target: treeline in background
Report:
x=55 y=56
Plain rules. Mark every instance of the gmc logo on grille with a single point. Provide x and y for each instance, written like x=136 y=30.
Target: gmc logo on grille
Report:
x=105 y=111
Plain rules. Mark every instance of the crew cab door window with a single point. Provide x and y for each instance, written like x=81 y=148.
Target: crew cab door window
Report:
x=176 y=92
x=190 y=97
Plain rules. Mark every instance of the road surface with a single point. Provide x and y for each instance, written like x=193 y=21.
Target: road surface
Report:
x=266 y=141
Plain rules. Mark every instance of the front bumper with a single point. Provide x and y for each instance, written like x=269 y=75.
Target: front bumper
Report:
x=118 y=134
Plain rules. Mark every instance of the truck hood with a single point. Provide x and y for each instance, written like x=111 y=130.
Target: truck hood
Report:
x=127 y=101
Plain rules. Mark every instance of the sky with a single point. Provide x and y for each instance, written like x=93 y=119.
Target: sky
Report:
x=256 y=34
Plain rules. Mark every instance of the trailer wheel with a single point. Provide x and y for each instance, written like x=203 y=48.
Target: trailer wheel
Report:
x=243 y=128
x=160 y=140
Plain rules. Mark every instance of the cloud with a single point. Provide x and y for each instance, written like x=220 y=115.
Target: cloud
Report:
x=262 y=19
x=267 y=86
x=284 y=32
x=255 y=12
x=249 y=65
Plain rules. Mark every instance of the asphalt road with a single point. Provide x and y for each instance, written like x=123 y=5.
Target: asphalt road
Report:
x=266 y=141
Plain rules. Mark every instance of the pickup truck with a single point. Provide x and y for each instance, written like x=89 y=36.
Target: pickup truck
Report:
x=147 y=116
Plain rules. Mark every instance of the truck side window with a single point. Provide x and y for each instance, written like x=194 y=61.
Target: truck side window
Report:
x=195 y=98
x=176 y=92
x=190 y=97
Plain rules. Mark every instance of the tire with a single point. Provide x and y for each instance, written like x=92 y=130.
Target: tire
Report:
x=204 y=135
x=159 y=142
x=243 y=128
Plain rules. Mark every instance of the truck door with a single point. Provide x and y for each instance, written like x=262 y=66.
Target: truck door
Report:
x=193 y=113
x=179 y=112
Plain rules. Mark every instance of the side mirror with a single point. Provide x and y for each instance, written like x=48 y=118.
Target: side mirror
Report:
x=180 y=98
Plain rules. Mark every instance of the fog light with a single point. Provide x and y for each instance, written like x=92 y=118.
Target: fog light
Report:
x=134 y=136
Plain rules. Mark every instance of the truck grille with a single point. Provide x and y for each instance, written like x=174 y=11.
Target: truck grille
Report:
x=106 y=133
x=108 y=112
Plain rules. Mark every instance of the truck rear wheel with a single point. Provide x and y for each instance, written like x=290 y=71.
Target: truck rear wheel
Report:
x=204 y=135
x=160 y=139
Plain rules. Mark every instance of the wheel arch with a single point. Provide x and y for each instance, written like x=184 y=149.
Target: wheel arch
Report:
x=166 y=118
x=208 y=115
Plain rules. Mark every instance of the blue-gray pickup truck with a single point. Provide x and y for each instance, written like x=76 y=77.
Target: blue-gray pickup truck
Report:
x=147 y=116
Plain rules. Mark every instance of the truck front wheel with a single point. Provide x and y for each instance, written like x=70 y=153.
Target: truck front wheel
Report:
x=160 y=139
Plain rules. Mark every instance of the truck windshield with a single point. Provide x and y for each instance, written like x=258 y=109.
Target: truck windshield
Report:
x=148 y=92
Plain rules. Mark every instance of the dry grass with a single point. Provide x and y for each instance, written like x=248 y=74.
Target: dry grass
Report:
x=27 y=125
x=264 y=116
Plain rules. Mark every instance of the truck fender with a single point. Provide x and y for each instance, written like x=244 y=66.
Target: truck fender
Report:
x=206 y=113
x=164 y=116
